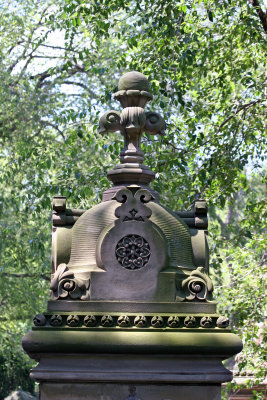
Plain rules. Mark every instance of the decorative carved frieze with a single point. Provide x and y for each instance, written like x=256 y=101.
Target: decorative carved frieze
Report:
x=130 y=321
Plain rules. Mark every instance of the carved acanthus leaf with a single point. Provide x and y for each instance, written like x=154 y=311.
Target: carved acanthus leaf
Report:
x=155 y=124
x=110 y=122
x=65 y=285
x=197 y=285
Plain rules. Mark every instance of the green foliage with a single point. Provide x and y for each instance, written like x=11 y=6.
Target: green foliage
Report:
x=60 y=62
x=14 y=364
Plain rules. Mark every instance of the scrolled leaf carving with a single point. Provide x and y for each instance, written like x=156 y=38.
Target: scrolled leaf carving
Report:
x=65 y=285
x=155 y=124
x=197 y=285
x=133 y=205
x=110 y=122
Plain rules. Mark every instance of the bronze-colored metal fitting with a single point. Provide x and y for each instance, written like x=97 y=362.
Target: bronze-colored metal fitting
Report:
x=140 y=321
x=56 y=320
x=107 y=320
x=59 y=203
x=123 y=321
x=39 y=320
x=89 y=320
x=206 y=322
x=190 y=321
x=73 y=320
x=157 y=321
x=222 y=322
x=173 y=321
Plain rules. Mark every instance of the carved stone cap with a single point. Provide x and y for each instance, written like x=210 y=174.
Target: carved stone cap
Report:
x=132 y=122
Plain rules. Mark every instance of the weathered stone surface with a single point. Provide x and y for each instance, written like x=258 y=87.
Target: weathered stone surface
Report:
x=131 y=315
x=64 y=391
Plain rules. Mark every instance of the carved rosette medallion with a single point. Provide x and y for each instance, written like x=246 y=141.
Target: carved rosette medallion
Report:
x=157 y=321
x=123 y=321
x=89 y=320
x=140 y=321
x=39 y=320
x=190 y=321
x=133 y=252
x=173 y=321
x=222 y=322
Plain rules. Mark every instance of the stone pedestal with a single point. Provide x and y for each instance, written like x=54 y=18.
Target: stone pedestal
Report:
x=69 y=391
x=128 y=376
x=132 y=365
x=131 y=315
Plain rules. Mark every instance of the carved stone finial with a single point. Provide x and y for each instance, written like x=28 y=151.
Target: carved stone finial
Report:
x=132 y=122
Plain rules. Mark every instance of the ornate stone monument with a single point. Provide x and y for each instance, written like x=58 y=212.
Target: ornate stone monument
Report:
x=131 y=314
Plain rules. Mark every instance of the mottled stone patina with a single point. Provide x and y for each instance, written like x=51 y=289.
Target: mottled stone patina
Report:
x=131 y=313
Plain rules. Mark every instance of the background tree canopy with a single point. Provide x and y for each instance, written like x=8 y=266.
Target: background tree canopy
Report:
x=59 y=63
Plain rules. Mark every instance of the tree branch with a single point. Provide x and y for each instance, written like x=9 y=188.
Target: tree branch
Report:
x=261 y=14
x=243 y=107
x=53 y=126
x=13 y=275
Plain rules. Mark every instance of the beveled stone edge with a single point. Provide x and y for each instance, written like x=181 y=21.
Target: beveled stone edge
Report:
x=142 y=368
x=131 y=307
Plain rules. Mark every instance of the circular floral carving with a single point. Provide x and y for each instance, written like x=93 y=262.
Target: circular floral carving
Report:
x=56 y=320
x=133 y=252
x=190 y=321
x=68 y=285
x=73 y=320
x=173 y=321
x=157 y=322
x=206 y=322
x=123 y=321
x=89 y=320
x=107 y=320
x=39 y=320
x=140 y=321
x=197 y=285
x=222 y=322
